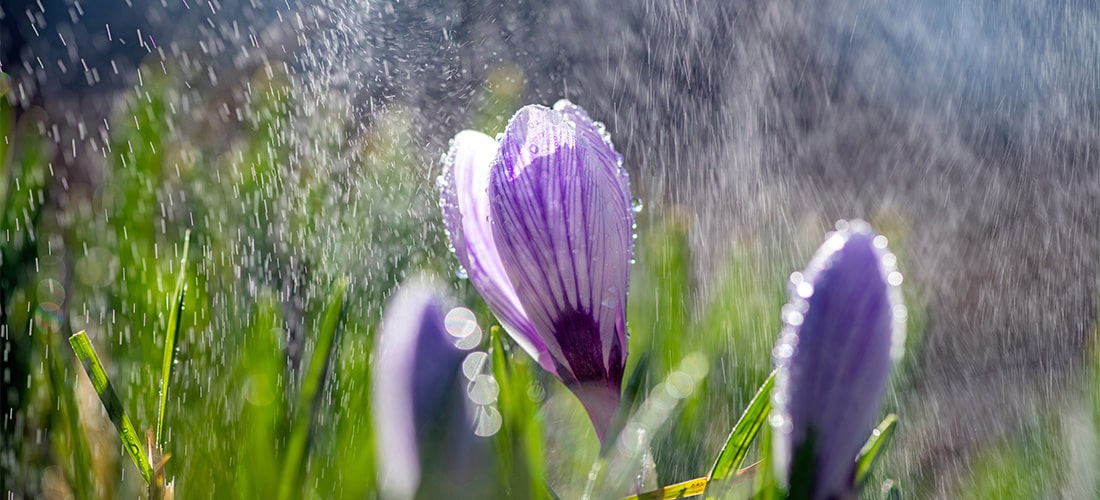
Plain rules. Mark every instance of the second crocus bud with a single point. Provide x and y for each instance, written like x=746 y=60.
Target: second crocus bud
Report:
x=425 y=441
x=844 y=324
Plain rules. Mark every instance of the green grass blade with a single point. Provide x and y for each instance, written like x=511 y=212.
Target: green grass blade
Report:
x=876 y=444
x=175 y=308
x=619 y=470
x=130 y=440
x=683 y=489
x=632 y=396
x=505 y=441
x=519 y=443
x=733 y=453
x=7 y=140
x=309 y=399
x=60 y=385
x=767 y=485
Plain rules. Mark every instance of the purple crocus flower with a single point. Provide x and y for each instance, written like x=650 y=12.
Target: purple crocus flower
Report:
x=844 y=323
x=418 y=402
x=541 y=220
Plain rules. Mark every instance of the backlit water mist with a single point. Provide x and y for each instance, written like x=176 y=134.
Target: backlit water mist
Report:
x=301 y=141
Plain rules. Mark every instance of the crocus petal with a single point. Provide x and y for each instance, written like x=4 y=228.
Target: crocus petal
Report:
x=562 y=218
x=419 y=410
x=465 y=201
x=844 y=321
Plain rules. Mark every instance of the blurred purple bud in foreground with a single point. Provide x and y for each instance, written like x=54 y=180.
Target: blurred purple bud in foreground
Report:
x=424 y=434
x=542 y=223
x=845 y=324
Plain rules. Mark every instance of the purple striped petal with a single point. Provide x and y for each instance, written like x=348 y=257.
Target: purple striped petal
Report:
x=560 y=203
x=843 y=323
x=465 y=201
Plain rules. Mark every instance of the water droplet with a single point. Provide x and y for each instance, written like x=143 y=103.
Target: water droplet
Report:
x=636 y=205
x=470 y=341
x=536 y=392
x=460 y=322
x=259 y=389
x=51 y=290
x=534 y=149
x=49 y=317
x=562 y=104
x=679 y=385
x=610 y=298
x=483 y=390
x=460 y=272
x=474 y=364
x=780 y=422
x=488 y=421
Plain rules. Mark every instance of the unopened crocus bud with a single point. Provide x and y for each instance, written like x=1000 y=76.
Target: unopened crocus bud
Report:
x=844 y=324
x=542 y=222
x=425 y=439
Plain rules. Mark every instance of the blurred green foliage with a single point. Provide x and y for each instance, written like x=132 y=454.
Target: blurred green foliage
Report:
x=29 y=310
